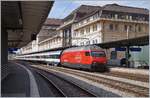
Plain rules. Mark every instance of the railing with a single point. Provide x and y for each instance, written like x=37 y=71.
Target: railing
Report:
x=110 y=19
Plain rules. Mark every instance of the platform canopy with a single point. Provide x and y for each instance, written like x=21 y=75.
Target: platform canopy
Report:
x=138 y=41
x=22 y=20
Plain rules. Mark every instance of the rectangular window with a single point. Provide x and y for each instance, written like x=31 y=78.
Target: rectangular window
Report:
x=130 y=17
x=111 y=27
x=139 y=28
x=93 y=41
x=74 y=34
x=116 y=16
x=88 y=30
x=116 y=27
x=82 y=43
x=95 y=27
x=125 y=27
x=98 y=54
x=82 y=32
x=127 y=17
x=130 y=28
x=88 y=42
x=87 y=53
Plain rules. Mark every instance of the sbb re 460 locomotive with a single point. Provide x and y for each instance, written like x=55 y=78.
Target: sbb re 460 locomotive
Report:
x=84 y=57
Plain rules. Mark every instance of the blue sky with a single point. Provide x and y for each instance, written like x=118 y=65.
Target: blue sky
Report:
x=62 y=8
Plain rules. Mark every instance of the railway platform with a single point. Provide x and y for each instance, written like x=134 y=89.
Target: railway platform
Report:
x=130 y=70
x=19 y=82
x=16 y=83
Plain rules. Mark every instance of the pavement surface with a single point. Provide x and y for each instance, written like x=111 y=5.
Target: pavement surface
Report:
x=17 y=83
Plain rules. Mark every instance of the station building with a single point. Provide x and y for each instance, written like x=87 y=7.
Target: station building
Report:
x=47 y=37
x=112 y=22
x=92 y=25
x=68 y=22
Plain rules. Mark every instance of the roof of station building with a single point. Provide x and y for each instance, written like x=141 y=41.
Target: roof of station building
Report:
x=121 y=8
x=117 y=8
x=83 y=9
x=53 y=21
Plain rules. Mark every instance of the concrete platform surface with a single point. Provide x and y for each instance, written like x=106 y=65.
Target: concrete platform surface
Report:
x=20 y=82
x=130 y=70
x=16 y=84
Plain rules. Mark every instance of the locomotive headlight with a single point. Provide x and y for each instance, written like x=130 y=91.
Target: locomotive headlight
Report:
x=94 y=62
x=105 y=62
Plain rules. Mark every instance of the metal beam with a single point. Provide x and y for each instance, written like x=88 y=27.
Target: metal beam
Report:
x=139 y=41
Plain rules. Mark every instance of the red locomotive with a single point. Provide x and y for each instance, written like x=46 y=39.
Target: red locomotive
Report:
x=84 y=57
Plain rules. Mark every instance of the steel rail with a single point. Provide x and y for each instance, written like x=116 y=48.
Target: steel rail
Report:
x=56 y=87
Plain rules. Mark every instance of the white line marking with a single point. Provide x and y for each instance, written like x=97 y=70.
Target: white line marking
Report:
x=34 y=92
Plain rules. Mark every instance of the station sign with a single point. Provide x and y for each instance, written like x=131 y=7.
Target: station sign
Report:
x=120 y=49
x=11 y=50
x=131 y=49
x=135 y=49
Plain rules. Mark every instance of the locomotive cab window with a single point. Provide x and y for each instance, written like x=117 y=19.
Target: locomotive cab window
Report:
x=87 y=53
x=97 y=54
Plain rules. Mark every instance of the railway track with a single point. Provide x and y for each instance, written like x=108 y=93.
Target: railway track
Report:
x=58 y=92
x=121 y=86
x=131 y=76
x=142 y=78
x=62 y=87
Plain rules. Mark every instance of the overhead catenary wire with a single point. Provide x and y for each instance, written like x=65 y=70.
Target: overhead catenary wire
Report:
x=63 y=12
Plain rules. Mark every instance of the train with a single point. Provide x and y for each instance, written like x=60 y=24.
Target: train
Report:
x=90 y=57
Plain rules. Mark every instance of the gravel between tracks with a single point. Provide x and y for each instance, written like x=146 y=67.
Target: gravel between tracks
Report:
x=120 y=85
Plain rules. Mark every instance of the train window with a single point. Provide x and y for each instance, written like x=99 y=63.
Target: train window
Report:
x=45 y=56
x=87 y=53
x=53 y=56
x=57 y=56
x=97 y=54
